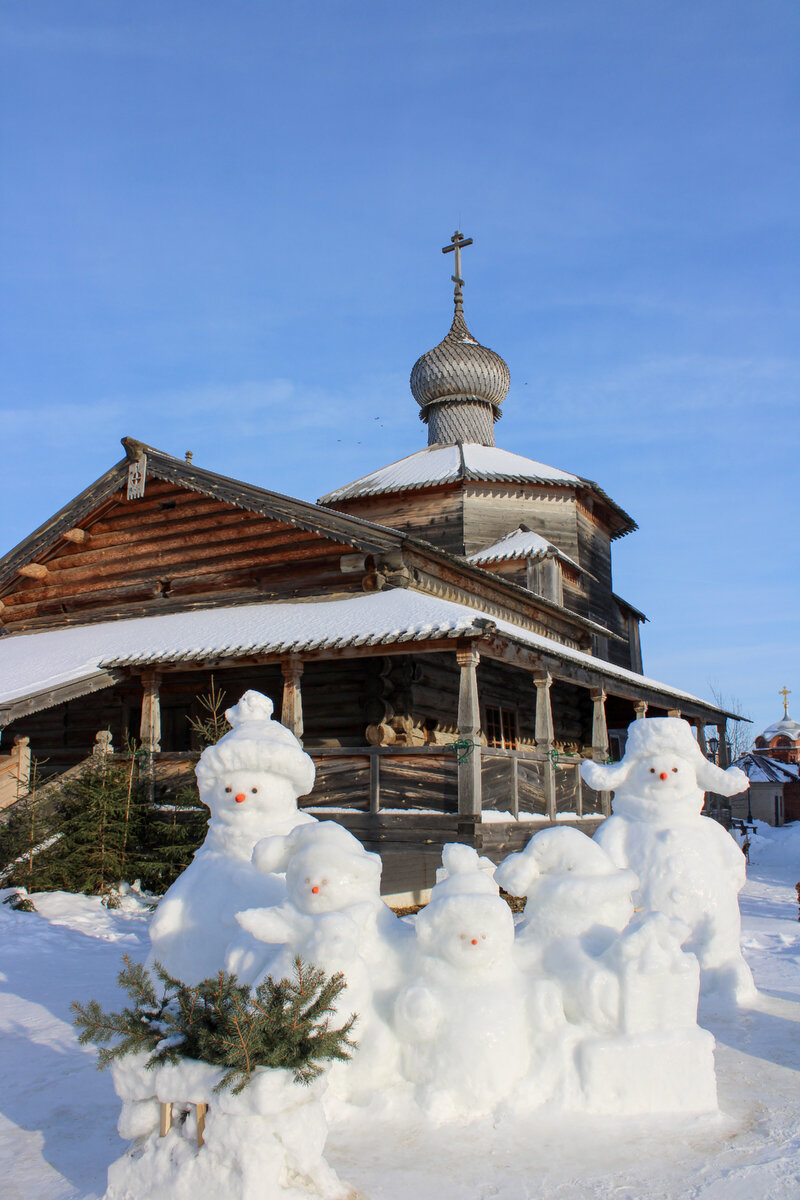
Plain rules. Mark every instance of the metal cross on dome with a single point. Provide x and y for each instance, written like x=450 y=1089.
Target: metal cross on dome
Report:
x=786 y=693
x=458 y=242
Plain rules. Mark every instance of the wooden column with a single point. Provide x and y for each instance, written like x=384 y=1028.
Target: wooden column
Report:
x=600 y=740
x=701 y=738
x=469 y=727
x=150 y=728
x=292 y=702
x=599 y=727
x=640 y=708
x=545 y=738
x=722 y=753
x=673 y=712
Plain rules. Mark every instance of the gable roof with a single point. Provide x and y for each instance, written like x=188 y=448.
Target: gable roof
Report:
x=521 y=543
x=469 y=461
x=349 y=530
x=760 y=768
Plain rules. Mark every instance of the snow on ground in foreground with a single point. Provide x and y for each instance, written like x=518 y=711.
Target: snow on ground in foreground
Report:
x=58 y=1113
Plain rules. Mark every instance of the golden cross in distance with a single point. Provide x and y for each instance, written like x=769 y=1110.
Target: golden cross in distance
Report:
x=786 y=693
x=457 y=244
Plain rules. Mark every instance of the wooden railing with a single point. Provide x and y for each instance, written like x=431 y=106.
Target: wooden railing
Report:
x=15 y=772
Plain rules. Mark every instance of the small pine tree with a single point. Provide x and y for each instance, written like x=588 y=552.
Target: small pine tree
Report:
x=174 y=828
x=212 y=723
x=26 y=831
x=224 y=1023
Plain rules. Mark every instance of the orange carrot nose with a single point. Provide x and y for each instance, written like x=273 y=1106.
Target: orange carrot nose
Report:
x=474 y=941
x=315 y=889
x=240 y=798
x=663 y=775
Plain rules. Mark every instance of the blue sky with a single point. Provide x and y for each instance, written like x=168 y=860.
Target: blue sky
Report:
x=221 y=227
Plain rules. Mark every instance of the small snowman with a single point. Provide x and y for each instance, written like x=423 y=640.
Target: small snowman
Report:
x=250 y=780
x=462 y=1021
x=689 y=867
x=577 y=903
x=334 y=917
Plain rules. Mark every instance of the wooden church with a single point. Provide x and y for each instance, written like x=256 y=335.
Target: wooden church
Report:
x=442 y=634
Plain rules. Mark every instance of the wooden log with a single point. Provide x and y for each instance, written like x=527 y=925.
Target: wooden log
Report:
x=292 y=705
x=76 y=536
x=374 y=783
x=33 y=571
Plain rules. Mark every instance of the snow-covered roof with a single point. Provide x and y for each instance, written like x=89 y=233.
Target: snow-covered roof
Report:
x=760 y=768
x=446 y=464
x=32 y=663
x=786 y=727
x=522 y=543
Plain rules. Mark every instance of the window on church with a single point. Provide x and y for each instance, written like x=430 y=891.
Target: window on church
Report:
x=501 y=727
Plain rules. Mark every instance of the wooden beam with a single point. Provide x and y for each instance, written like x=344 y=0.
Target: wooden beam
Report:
x=600 y=741
x=292 y=703
x=723 y=758
x=150 y=727
x=33 y=571
x=469 y=728
x=374 y=783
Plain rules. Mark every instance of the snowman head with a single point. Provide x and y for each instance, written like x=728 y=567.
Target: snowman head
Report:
x=255 y=771
x=327 y=869
x=466 y=923
x=664 y=774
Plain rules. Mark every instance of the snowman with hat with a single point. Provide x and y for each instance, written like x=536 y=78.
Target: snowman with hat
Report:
x=250 y=781
x=689 y=867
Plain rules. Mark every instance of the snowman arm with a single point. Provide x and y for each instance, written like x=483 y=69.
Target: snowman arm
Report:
x=269 y=925
x=418 y=1014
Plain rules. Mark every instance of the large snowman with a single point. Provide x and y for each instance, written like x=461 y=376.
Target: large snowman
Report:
x=250 y=780
x=690 y=868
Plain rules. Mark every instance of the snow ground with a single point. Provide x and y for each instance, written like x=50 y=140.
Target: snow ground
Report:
x=58 y=1113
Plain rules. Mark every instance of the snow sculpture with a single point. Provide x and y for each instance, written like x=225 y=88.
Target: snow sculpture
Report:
x=462 y=1021
x=267 y=1141
x=577 y=902
x=334 y=917
x=688 y=865
x=250 y=780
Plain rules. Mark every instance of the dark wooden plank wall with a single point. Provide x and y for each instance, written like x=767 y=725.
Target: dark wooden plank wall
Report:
x=171 y=547
x=435 y=514
x=493 y=510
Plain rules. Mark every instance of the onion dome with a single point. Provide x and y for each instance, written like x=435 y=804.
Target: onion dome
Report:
x=460 y=384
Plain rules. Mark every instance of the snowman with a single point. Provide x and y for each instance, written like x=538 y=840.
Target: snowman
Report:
x=462 y=1020
x=688 y=866
x=578 y=901
x=250 y=780
x=333 y=916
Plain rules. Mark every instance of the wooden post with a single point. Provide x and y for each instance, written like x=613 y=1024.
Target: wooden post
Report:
x=150 y=728
x=374 y=782
x=600 y=740
x=515 y=788
x=701 y=738
x=722 y=753
x=102 y=744
x=545 y=738
x=165 y=1119
x=578 y=791
x=640 y=708
x=469 y=728
x=292 y=703
x=673 y=712
x=202 y=1109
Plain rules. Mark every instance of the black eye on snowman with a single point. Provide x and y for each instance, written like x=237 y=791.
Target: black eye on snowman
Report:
x=674 y=770
x=228 y=789
x=652 y=770
x=253 y=789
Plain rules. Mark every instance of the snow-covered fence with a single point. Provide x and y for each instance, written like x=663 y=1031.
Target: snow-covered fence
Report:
x=15 y=772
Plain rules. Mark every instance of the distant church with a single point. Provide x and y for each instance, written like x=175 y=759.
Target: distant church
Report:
x=443 y=633
x=773 y=768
